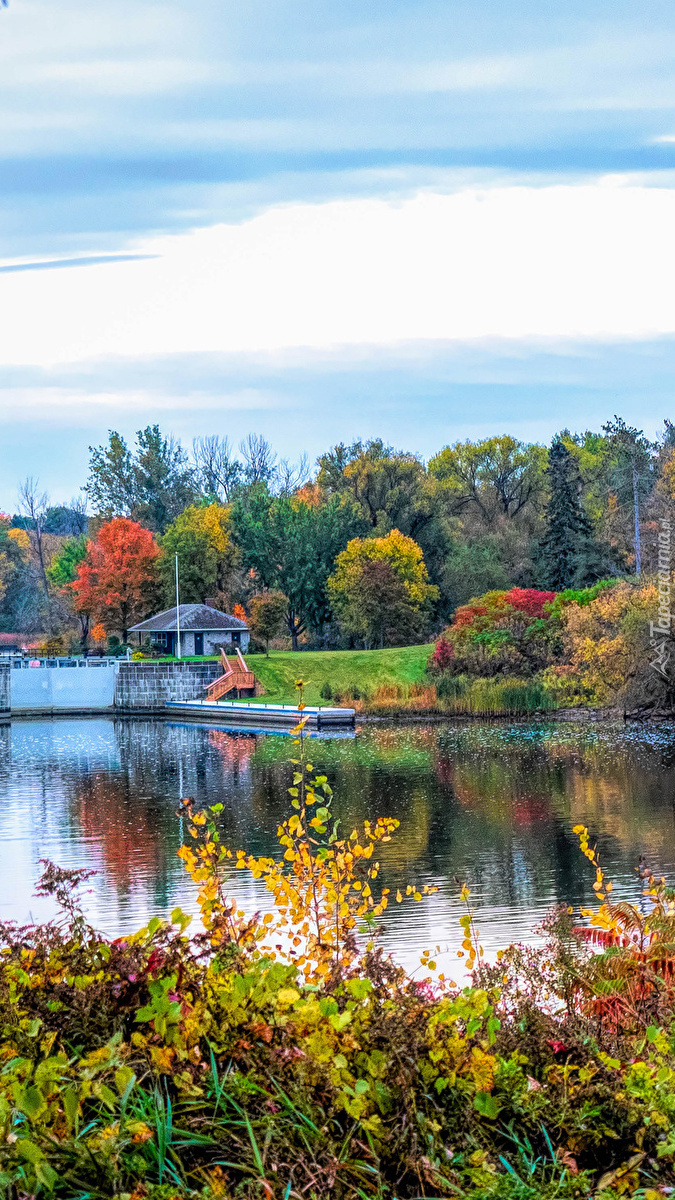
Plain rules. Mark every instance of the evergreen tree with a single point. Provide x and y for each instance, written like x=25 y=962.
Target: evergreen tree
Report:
x=567 y=549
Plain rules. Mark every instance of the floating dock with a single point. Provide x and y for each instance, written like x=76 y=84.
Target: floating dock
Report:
x=260 y=716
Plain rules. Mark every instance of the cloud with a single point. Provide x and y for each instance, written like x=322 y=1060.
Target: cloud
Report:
x=59 y=264
x=563 y=262
x=149 y=116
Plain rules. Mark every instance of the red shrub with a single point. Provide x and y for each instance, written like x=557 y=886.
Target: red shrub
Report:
x=529 y=600
x=442 y=655
x=465 y=614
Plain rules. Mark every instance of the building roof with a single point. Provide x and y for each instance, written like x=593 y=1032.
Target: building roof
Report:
x=197 y=618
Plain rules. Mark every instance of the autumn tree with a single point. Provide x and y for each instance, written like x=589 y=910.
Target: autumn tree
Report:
x=200 y=537
x=493 y=492
x=117 y=582
x=629 y=463
x=14 y=552
x=392 y=489
x=356 y=588
x=267 y=616
x=34 y=506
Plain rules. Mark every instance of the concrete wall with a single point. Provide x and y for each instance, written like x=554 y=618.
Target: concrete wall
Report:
x=48 y=689
x=150 y=685
x=4 y=687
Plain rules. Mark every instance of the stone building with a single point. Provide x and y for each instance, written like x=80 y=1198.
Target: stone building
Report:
x=203 y=630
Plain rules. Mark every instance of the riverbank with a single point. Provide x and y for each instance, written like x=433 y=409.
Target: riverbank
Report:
x=239 y=1062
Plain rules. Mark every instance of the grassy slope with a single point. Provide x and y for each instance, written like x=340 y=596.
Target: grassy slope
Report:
x=341 y=668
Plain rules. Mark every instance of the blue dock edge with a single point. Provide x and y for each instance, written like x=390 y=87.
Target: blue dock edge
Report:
x=261 y=715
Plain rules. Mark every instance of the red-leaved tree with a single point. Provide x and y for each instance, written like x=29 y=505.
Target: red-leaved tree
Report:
x=116 y=582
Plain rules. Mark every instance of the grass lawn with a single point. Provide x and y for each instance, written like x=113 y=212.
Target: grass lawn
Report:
x=341 y=668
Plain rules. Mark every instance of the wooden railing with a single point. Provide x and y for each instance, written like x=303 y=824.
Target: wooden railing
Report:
x=237 y=677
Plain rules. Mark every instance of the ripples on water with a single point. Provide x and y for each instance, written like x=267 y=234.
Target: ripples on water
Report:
x=493 y=805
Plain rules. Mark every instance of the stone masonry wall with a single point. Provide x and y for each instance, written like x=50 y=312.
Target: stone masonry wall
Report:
x=4 y=687
x=149 y=685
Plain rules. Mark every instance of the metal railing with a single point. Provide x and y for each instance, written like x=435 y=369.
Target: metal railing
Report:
x=20 y=662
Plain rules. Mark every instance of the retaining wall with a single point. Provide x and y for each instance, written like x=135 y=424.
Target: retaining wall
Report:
x=150 y=685
x=53 y=689
x=4 y=688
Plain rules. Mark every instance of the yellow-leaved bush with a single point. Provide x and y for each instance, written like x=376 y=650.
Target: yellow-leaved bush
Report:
x=324 y=886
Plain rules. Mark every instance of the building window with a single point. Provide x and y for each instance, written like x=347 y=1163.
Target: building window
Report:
x=160 y=639
x=236 y=638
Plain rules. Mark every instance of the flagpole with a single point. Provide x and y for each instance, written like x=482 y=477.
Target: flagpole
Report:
x=178 y=654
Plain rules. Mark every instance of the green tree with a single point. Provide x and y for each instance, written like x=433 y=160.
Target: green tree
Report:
x=200 y=537
x=152 y=484
x=498 y=476
x=112 y=485
x=267 y=616
x=164 y=478
x=62 y=571
x=291 y=545
x=568 y=547
x=356 y=588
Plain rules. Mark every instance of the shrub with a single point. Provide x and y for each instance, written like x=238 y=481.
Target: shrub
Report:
x=326 y=692
x=500 y=633
x=442 y=656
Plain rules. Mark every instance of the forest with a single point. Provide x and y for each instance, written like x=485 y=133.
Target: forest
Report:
x=515 y=554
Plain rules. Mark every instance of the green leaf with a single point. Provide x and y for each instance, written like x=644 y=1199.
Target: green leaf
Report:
x=30 y=1101
x=29 y=1150
x=105 y=1094
x=361 y=1087
x=359 y=988
x=486 y=1105
x=178 y=917
x=46 y=1175
x=340 y=1020
x=71 y=1106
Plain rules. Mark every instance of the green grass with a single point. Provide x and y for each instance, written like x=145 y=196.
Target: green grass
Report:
x=343 y=669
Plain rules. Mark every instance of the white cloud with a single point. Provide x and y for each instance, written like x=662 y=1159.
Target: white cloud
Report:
x=592 y=261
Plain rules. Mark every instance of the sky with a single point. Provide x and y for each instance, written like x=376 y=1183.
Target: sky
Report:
x=420 y=220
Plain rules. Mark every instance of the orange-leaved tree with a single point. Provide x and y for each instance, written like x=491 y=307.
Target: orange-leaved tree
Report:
x=116 y=582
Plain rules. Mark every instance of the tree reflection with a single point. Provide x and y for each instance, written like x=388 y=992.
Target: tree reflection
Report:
x=491 y=804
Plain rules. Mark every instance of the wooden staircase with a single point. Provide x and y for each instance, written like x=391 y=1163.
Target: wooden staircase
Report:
x=235 y=678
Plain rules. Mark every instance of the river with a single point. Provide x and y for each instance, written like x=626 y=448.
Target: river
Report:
x=489 y=804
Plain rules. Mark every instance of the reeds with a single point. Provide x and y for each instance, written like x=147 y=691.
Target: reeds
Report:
x=458 y=695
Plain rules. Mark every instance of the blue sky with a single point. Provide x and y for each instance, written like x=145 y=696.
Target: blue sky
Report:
x=319 y=221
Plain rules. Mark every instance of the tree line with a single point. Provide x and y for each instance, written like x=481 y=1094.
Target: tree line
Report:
x=370 y=546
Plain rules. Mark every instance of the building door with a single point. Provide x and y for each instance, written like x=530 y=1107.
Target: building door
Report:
x=199 y=643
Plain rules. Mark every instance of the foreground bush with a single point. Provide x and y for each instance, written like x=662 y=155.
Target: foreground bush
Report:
x=274 y=1057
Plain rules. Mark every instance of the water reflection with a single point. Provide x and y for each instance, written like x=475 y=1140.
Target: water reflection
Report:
x=492 y=805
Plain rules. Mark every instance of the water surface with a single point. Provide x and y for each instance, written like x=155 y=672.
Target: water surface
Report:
x=489 y=804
